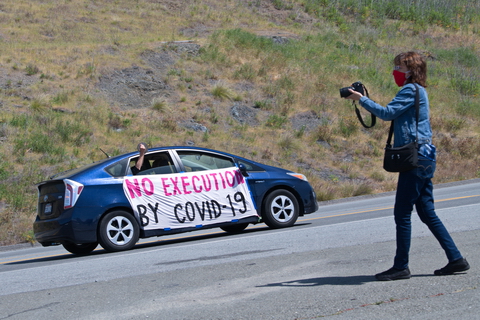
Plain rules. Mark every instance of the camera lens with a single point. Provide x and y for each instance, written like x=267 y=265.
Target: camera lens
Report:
x=344 y=92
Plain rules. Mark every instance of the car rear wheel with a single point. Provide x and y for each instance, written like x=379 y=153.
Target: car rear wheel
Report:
x=235 y=228
x=118 y=231
x=280 y=209
x=80 y=249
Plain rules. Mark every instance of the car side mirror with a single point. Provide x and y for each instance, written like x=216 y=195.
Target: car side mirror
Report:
x=243 y=170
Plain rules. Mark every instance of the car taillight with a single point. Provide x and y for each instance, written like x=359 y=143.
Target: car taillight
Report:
x=72 y=192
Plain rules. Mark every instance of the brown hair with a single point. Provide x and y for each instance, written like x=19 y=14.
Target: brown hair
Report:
x=416 y=64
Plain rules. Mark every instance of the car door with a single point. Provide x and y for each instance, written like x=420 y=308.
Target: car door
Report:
x=257 y=179
x=199 y=160
x=196 y=160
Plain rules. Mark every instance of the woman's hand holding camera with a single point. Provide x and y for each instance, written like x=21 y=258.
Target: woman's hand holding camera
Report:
x=354 y=92
x=355 y=95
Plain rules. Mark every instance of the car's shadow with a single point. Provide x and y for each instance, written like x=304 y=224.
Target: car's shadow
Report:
x=156 y=242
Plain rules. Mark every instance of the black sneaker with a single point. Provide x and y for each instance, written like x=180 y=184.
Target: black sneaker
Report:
x=452 y=267
x=393 y=274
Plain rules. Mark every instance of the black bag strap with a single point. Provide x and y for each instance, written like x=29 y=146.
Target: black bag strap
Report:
x=417 y=111
x=359 y=116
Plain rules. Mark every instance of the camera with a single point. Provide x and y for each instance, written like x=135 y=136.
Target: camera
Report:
x=357 y=86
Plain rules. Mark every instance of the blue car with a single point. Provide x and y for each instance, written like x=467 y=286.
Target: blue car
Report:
x=178 y=189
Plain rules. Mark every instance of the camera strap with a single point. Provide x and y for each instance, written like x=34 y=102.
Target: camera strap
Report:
x=417 y=114
x=359 y=116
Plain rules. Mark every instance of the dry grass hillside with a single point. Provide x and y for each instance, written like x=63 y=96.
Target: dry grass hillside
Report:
x=255 y=78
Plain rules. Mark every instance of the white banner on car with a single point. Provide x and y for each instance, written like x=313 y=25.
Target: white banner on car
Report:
x=189 y=199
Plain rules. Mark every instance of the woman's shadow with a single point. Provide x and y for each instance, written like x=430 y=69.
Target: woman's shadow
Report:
x=350 y=280
x=338 y=281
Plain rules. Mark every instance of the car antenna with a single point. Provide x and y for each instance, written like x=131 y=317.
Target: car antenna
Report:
x=104 y=152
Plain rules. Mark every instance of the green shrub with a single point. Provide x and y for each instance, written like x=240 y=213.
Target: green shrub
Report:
x=221 y=92
x=245 y=72
x=348 y=127
x=263 y=104
x=466 y=82
x=60 y=98
x=73 y=132
x=276 y=121
x=31 y=69
x=159 y=105
x=21 y=121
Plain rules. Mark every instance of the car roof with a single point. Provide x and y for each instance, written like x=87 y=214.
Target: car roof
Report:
x=109 y=160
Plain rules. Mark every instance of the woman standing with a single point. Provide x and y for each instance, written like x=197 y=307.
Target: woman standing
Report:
x=414 y=186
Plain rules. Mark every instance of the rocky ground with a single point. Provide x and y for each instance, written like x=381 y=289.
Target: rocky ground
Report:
x=136 y=87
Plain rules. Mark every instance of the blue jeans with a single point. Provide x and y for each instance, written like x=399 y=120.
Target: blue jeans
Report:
x=415 y=188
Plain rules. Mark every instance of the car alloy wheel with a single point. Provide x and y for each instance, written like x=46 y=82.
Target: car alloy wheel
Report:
x=118 y=231
x=280 y=209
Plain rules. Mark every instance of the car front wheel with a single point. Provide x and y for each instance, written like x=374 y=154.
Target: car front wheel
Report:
x=280 y=209
x=118 y=231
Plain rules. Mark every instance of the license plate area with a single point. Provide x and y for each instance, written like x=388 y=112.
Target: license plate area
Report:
x=47 y=209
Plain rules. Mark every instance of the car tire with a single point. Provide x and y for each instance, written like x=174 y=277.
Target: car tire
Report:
x=235 y=228
x=280 y=209
x=118 y=230
x=80 y=249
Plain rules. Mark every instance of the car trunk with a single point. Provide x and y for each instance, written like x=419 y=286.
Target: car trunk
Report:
x=51 y=197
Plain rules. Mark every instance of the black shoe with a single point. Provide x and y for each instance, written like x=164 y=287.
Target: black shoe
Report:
x=393 y=274
x=452 y=267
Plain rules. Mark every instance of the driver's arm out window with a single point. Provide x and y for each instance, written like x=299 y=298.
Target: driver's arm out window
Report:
x=155 y=163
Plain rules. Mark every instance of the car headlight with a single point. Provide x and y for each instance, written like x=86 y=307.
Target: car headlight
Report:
x=297 y=175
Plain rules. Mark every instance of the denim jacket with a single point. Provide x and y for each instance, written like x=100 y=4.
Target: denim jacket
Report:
x=402 y=110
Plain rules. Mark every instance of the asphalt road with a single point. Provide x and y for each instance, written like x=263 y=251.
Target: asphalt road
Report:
x=321 y=267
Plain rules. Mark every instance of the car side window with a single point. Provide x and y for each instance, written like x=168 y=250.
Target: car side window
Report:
x=250 y=166
x=199 y=161
x=155 y=163
x=117 y=169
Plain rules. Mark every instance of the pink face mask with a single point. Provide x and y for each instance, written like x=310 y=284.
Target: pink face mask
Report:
x=399 y=77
